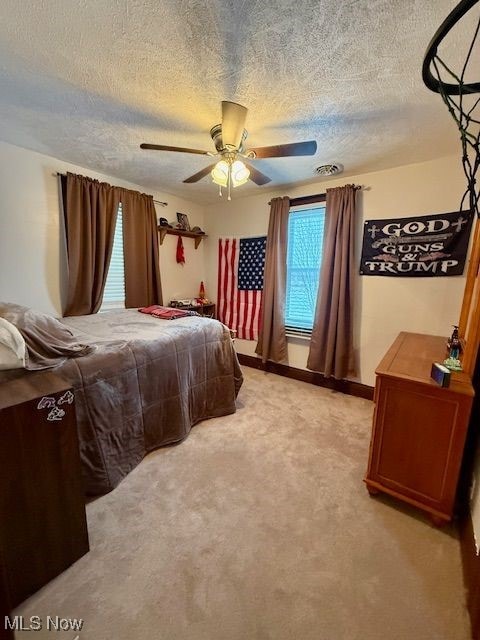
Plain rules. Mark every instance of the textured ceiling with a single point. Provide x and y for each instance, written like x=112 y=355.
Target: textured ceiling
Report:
x=88 y=80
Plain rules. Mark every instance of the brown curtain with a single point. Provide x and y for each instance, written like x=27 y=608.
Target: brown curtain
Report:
x=90 y=213
x=272 y=341
x=140 y=247
x=331 y=346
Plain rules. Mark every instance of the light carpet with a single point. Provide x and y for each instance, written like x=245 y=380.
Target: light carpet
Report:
x=259 y=527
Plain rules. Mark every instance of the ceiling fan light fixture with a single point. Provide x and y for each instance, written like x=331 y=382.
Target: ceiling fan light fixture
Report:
x=229 y=137
x=240 y=173
x=230 y=173
x=220 y=172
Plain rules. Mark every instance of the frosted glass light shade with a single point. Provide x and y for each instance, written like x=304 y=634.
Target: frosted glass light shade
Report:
x=219 y=173
x=240 y=173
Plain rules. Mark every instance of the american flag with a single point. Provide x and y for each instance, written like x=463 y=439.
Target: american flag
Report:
x=241 y=264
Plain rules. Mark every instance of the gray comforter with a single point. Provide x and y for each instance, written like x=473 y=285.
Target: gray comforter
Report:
x=146 y=383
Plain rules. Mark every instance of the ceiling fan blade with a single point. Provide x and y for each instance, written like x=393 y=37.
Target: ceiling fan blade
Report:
x=257 y=176
x=233 y=123
x=162 y=147
x=308 y=148
x=201 y=174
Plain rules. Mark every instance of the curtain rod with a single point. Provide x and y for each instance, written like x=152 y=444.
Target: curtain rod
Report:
x=163 y=204
x=316 y=197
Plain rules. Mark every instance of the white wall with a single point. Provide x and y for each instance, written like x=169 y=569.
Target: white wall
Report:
x=383 y=306
x=181 y=281
x=32 y=262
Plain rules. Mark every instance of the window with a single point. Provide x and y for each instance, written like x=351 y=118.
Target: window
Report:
x=114 y=292
x=304 y=255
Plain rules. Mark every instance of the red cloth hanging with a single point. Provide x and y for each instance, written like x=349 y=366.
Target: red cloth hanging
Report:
x=180 y=251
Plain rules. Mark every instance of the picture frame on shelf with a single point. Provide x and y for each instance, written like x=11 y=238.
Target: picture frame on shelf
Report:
x=183 y=221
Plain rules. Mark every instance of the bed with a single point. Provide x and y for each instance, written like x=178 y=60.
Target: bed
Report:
x=142 y=383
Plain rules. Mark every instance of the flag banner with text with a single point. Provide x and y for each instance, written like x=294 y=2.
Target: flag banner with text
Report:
x=423 y=246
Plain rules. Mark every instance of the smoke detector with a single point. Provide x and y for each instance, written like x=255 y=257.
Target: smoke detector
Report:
x=327 y=170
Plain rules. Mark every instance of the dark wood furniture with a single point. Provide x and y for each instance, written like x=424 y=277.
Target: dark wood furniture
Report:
x=419 y=428
x=5 y=606
x=206 y=310
x=42 y=508
x=163 y=231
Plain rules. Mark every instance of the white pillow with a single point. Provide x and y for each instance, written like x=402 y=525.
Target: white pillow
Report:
x=12 y=346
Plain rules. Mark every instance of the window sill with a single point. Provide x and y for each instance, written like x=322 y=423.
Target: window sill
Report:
x=112 y=306
x=304 y=335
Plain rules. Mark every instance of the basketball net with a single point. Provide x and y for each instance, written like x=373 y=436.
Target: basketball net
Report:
x=461 y=98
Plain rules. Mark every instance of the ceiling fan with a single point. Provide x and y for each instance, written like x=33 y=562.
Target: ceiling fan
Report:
x=229 y=139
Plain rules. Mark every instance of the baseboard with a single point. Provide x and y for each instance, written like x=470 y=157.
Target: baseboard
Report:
x=344 y=386
x=471 y=573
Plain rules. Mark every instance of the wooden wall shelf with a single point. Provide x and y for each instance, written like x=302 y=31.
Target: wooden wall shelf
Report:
x=163 y=231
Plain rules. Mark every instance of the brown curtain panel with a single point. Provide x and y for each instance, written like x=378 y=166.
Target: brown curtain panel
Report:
x=272 y=341
x=331 y=346
x=140 y=247
x=90 y=212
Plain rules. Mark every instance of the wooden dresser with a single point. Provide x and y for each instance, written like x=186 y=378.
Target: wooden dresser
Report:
x=419 y=428
x=42 y=508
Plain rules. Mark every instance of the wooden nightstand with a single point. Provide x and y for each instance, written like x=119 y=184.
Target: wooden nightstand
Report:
x=42 y=507
x=206 y=310
x=419 y=428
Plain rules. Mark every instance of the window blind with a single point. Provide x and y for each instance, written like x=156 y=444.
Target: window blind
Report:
x=304 y=255
x=114 y=293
